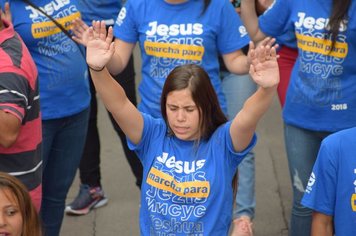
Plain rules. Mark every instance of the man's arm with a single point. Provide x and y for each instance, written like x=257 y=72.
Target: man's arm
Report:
x=9 y=129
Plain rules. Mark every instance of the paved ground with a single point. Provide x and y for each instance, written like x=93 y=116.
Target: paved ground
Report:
x=120 y=216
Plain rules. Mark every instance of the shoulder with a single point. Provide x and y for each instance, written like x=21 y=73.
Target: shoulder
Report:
x=154 y=126
x=133 y=8
x=341 y=140
x=342 y=134
x=222 y=133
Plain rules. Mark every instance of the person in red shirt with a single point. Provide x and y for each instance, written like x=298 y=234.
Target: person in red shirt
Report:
x=20 y=116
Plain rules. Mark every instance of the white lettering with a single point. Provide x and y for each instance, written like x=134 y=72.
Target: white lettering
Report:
x=338 y=107
x=309 y=22
x=174 y=29
x=180 y=166
x=49 y=8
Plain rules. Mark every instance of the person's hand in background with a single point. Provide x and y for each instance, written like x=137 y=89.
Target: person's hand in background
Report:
x=6 y=13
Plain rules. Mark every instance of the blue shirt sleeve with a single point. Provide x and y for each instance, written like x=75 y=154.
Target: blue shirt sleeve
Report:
x=237 y=157
x=152 y=129
x=275 y=20
x=233 y=34
x=125 y=25
x=320 y=193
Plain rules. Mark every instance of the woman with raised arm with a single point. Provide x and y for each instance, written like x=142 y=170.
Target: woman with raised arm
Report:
x=190 y=155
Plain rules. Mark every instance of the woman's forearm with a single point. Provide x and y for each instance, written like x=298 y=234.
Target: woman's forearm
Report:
x=322 y=225
x=115 y=65
x=250 y=20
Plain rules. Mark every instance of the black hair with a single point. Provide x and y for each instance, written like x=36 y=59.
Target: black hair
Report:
x=206 y=5
x=339 y=15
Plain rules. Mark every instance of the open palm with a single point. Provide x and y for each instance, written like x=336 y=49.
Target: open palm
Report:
x=81 y=31
x=100 y=47
x=264 y=67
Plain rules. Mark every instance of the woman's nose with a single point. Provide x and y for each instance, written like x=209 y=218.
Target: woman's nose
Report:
x=2 y=220
x=181 y=115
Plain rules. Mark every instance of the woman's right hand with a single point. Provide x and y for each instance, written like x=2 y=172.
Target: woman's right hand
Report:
x=100 y=47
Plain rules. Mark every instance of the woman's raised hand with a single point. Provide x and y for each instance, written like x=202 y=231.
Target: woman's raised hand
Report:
x=264 y=67
x=100 y=47
x=80 y=30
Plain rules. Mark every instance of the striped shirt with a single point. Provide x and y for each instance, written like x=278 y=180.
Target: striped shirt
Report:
x=19 y=95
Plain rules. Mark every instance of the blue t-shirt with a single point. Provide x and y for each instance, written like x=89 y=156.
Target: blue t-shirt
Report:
x=186 y=188
x=170 y=35
x=331 y=189
x=106 y=10
x=321 y=94
x=287 y=39
x=62 y=70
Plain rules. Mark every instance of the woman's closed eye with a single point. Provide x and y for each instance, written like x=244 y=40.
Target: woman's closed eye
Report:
x=190 y=109
x=173 y=108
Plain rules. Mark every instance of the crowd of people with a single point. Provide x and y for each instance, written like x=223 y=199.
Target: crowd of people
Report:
x=210 y=70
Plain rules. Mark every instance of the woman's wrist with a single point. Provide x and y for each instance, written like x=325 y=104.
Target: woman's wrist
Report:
x=96 y=69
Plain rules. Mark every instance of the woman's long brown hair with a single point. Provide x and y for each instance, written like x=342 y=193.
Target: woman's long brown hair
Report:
x=194 y=78
x=203 y=94
x=206 y=4
x=339 y=15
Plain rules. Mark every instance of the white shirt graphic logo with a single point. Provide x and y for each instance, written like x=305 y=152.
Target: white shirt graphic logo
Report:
x=121 y=16
x=310 y=183
x=242 y=31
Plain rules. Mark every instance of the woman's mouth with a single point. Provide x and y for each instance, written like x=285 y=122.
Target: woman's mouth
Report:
x=180 y=130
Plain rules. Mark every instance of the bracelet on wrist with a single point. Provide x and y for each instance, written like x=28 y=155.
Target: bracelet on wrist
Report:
x=97 y=70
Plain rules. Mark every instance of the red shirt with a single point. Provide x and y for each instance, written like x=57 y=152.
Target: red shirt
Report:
x=19 y=95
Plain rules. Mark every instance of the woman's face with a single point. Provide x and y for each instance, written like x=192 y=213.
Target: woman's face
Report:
x=182 y=115
x=10 y=216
